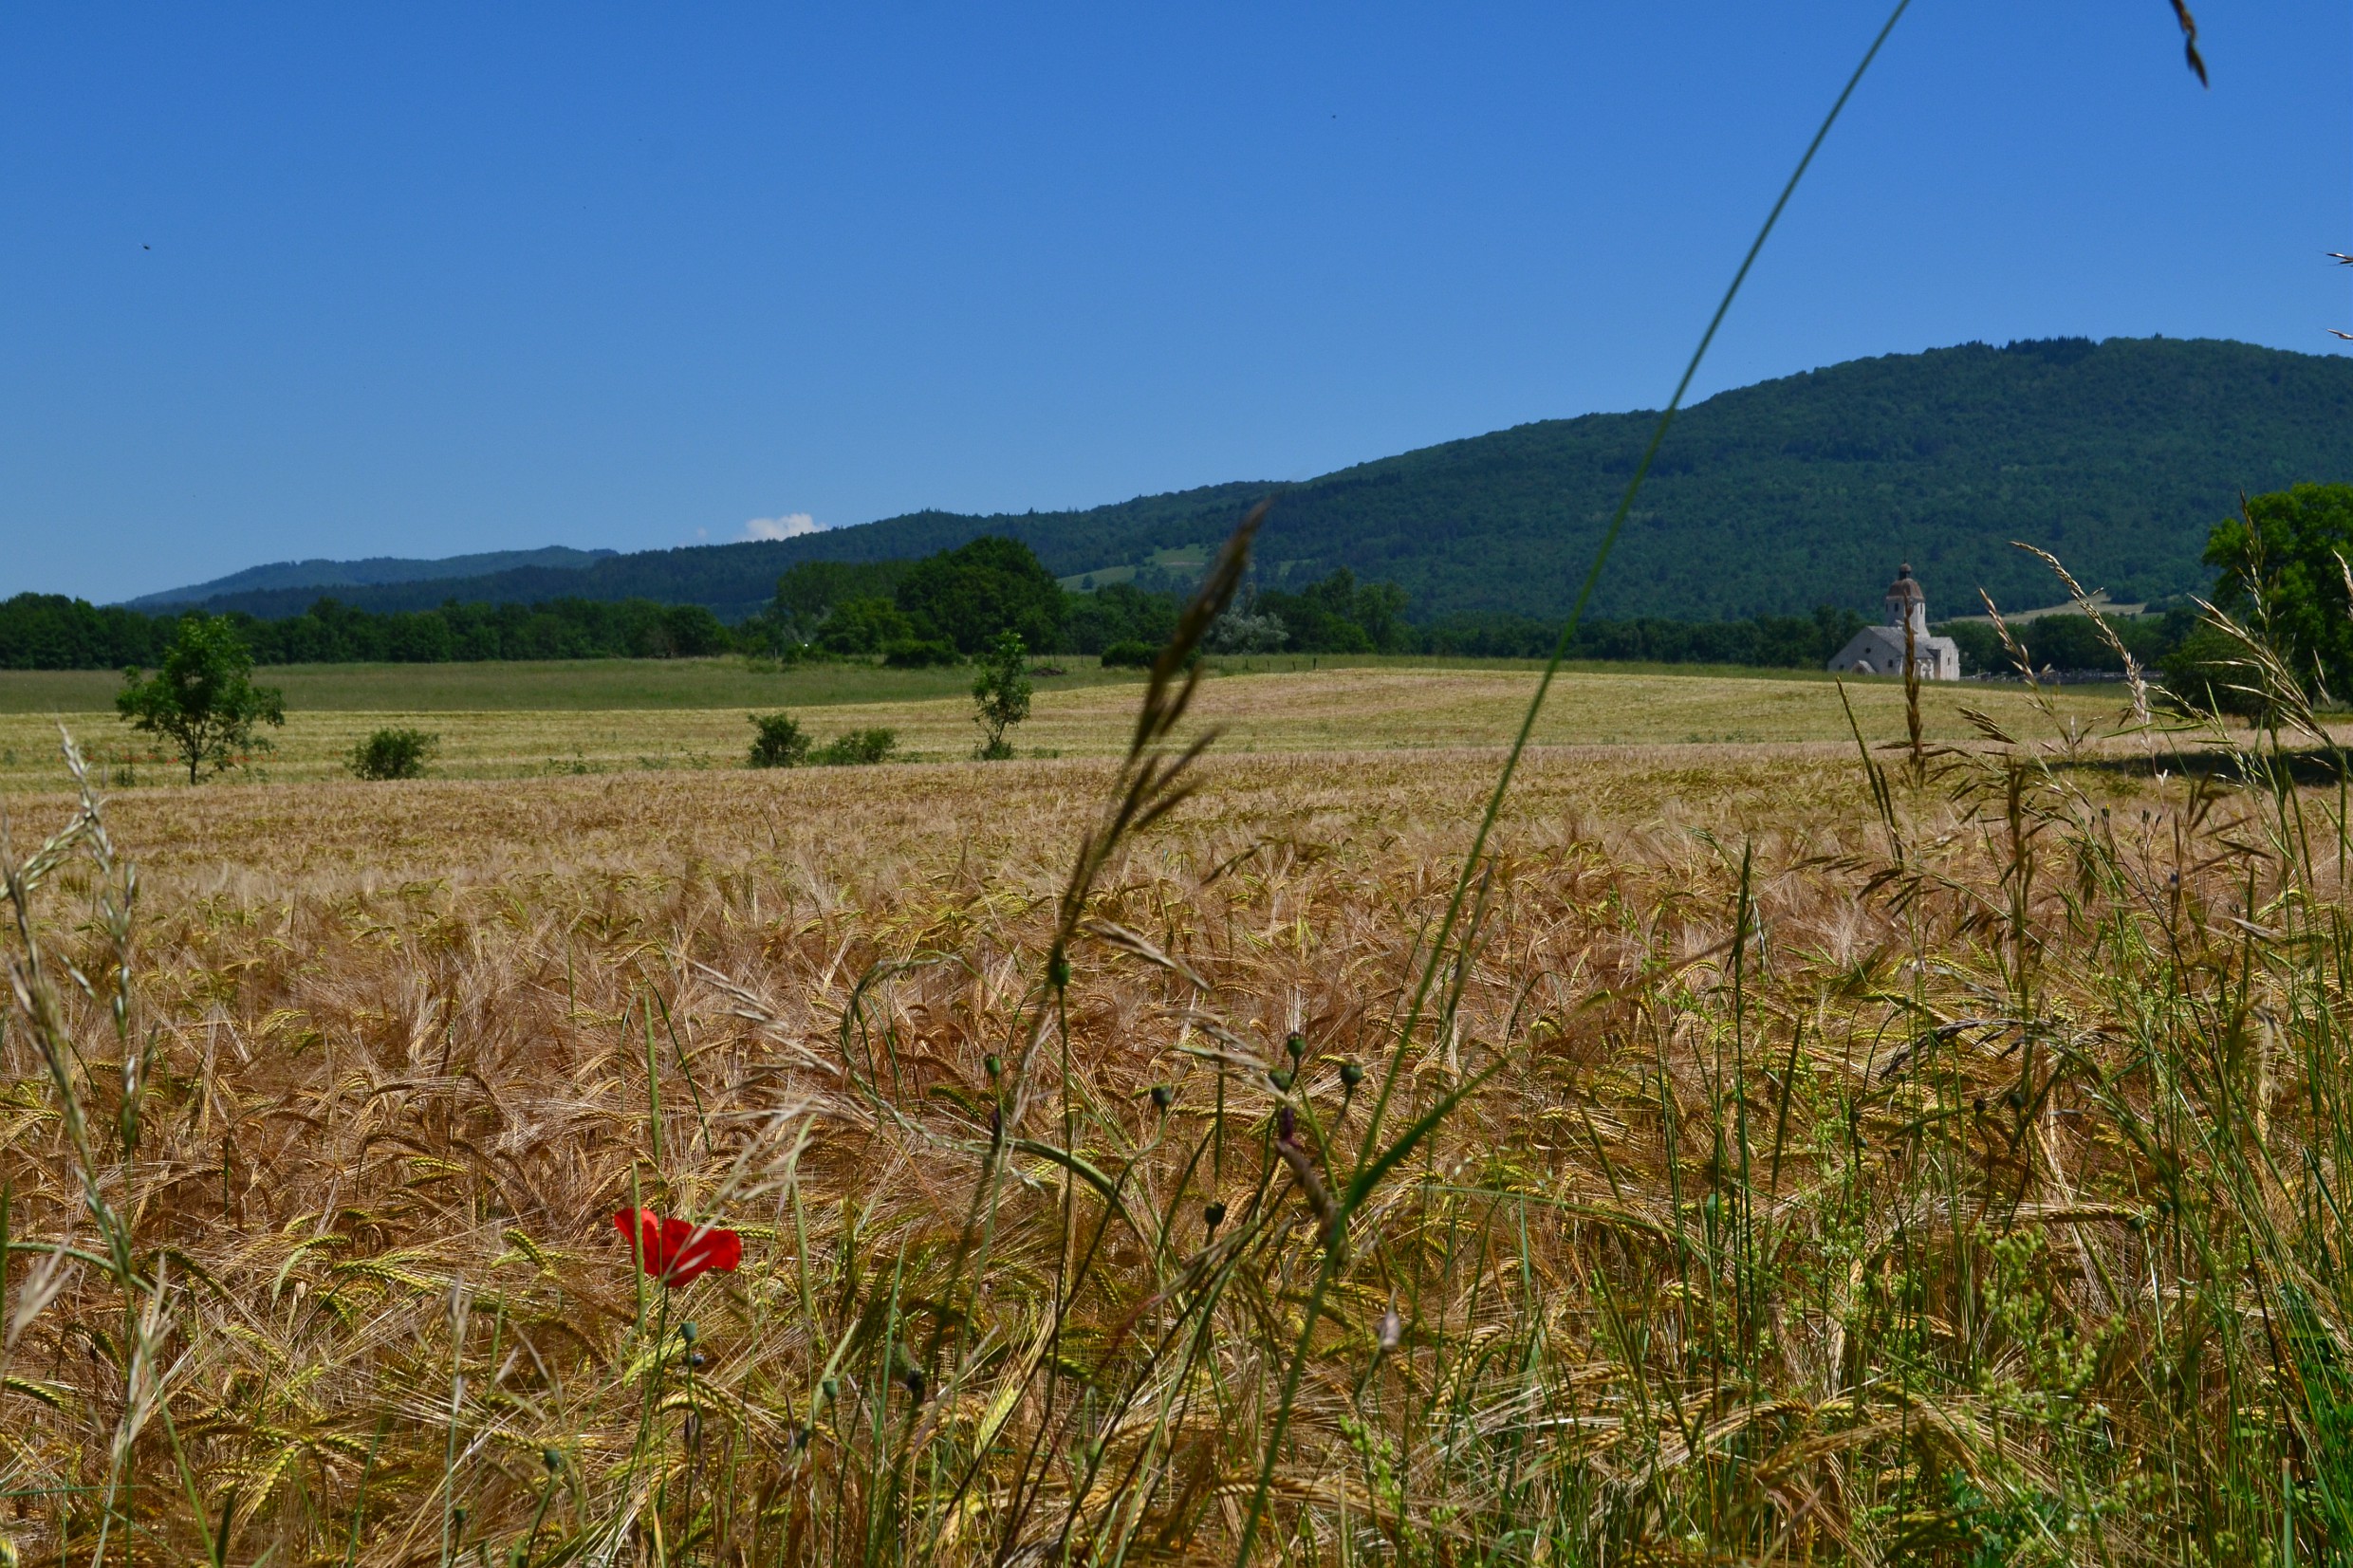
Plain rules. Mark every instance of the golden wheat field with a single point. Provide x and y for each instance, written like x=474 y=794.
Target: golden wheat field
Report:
x=1781 y=1159
x=1345 y=709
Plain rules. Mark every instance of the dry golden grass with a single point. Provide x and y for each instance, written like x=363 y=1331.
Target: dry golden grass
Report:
x=1904 y=1222
x=1346 y=710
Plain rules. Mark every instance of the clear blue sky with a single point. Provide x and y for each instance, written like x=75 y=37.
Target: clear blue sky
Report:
x=416 y=280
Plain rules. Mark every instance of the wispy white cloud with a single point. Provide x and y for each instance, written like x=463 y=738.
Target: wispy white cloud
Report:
x=790 y=526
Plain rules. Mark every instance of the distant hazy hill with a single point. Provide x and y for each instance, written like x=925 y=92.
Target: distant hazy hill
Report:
x=373 y=571
x=1806 y=491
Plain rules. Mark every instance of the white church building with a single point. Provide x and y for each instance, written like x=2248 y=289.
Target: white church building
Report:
x=1878 y=649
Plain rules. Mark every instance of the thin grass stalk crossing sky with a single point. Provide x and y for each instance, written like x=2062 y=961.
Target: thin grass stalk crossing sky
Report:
x=1368 y=1165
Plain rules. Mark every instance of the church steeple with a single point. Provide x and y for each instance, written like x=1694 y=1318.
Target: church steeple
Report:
x=1881 y=649
x=1906 y=603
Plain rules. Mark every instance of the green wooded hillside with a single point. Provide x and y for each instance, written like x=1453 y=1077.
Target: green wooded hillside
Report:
x=1773 y=499
x=374 y=571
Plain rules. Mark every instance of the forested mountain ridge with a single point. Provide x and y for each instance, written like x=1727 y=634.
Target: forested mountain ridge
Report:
x=2118 y=456
x=374 y=571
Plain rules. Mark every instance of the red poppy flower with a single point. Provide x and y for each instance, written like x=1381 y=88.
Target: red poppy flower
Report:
x=675 y=1252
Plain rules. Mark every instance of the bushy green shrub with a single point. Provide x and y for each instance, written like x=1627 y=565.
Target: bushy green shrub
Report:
x=919 y=654
x=1129 y=655
x=857 y=749
x=777 y=741
x=393 y=754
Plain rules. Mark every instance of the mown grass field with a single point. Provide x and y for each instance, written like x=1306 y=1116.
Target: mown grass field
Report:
x=1785 y=1163
x=608 y=723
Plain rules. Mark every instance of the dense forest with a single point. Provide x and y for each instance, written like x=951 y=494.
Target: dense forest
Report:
x=2118 y=456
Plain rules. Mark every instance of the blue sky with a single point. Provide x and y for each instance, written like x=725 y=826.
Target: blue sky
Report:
x=416 y=280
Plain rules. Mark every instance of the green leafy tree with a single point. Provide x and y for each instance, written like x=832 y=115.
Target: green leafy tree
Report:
x=1116 y=612
x=863 y=626
x=1340 y=615
x=2281 y=572
x=971 y=594
x=203 y=700
x=681 y=631
x=805 y=594
x=766 y=636
x=1001 y=695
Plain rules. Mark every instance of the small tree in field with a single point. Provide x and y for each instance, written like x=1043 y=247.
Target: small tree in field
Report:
x=1000 y=693
x=203 y=700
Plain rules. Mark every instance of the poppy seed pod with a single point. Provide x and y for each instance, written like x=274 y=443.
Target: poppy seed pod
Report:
x=830 y=1388
x=915 y=1381
x=553 y=1460
x=687 y=1331
x=1280 y=1078
x=1162 y=1097
x=1296 y=1043
x=992 y=1065
x=1059 y=971
x=1350 y=1074
x=1212 y=1214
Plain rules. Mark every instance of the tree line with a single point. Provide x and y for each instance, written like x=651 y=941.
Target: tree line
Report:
x=907 y=613
x=943 y=608
x=51 y=632
x=950 y=606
